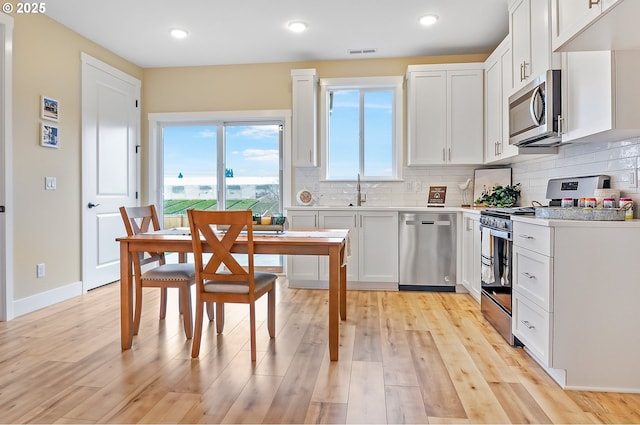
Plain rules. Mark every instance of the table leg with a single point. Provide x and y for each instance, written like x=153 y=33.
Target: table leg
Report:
x=334 y=295
x=126 y=297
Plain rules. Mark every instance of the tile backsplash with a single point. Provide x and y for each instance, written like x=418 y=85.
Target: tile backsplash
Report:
x=620 y=160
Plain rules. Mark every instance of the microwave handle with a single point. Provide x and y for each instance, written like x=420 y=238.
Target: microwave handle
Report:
x=537 y=119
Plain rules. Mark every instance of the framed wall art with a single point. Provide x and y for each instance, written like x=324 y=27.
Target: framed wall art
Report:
x=49 y=109
x=49 y=136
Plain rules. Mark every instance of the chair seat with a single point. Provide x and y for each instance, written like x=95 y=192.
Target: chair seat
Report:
x=175 y=272
x=262 y=280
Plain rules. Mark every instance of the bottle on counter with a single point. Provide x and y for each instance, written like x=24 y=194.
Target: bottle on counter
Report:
x=566 y=203
x=608 y=203
x=627 y=203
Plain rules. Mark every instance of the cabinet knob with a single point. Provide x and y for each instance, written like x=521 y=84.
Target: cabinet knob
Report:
x=528 y=275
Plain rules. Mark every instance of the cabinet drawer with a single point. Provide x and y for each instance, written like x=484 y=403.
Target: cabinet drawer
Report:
x=532 y=276
x=533 y=237
x=532 y=326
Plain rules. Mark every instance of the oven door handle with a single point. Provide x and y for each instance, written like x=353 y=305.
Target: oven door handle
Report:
x=499 y=233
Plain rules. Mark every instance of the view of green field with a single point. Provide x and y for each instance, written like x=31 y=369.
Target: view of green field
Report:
x=180 y=206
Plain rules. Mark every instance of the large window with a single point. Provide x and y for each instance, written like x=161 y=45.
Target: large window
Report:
x=361 y=128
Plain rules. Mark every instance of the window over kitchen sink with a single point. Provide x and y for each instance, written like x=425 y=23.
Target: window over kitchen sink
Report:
x=361 y=128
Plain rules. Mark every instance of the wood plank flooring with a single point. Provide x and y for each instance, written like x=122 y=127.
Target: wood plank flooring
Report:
x=405 y=357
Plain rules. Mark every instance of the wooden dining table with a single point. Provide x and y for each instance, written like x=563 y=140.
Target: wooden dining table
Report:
x=330 y=242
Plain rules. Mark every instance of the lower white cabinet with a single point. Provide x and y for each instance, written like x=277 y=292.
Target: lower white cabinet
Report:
x=575 y=300
x=471 y=251
x=373 y=240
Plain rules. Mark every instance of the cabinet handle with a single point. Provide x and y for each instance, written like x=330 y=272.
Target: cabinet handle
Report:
x=449 y=154
x=444 y=159
x=593 y=3
x=524 y=70
x=526 y=237
x=527 y=324
x=560 y=125
x=528 y=275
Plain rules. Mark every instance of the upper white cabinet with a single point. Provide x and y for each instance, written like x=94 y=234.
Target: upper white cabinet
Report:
x=530 y=40
x=601 y=95
x=305 y=117
x=498 y=83
x=583 y=25
x=445 y=114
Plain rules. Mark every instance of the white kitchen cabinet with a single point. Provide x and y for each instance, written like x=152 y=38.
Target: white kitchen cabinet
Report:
x=304 y=117
x=378 y=246
x=471 y=252
x=530 y=40
x=601 y=95
x=445 y=114
x=498 y=83
x=341 y=219
x=575 y=300
x=589 y=25
x=373 y=240
x=302 y=267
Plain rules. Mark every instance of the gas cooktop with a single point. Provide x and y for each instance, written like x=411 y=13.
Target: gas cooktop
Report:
x=507 y=211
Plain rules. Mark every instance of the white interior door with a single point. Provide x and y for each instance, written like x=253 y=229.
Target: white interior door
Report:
x=110 y=136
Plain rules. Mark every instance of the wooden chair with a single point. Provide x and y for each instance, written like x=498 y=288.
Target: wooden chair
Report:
x=222 y=279
x=163 y=276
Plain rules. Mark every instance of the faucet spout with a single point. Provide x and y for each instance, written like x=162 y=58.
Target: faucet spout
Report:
x=359 y=199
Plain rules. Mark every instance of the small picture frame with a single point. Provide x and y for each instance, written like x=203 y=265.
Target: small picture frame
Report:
x=49 y=136
x=49 y=108
x=437 y=196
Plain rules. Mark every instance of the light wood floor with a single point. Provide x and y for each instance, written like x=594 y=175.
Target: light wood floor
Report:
x=405 y=357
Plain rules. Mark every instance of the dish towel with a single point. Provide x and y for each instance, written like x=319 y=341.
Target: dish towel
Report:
x=486 y=264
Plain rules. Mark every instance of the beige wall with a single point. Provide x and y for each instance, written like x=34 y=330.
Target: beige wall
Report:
x=47 y=224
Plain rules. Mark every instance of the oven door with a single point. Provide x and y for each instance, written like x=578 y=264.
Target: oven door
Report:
x=496 y=266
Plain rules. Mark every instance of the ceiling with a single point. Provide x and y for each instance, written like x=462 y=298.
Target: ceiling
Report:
x=254 y=31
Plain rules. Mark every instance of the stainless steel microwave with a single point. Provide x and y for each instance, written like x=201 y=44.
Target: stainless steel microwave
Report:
x=534 y=111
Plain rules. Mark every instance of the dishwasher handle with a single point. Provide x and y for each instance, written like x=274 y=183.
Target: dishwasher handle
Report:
x=436 y=223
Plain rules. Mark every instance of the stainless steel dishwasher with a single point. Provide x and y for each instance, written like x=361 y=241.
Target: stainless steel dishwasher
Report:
x=427 y=250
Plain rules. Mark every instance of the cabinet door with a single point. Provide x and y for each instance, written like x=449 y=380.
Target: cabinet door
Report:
x=465 y=117
x=427 y=117
x=587 y=94
x=471 y=255
x=569 y=17
x=507 y=150
x=540 y=39
x=378 y=246
x=340 y=220
x=520 y=29
x=493 y=111
x=302 y=267
x=304 y=117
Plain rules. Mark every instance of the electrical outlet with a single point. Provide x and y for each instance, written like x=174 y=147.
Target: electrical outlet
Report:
x=633 y=179
x=40 y=270
x=409 y=187
x=418 y=186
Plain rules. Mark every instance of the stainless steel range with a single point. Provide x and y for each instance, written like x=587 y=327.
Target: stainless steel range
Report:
x=497 y=242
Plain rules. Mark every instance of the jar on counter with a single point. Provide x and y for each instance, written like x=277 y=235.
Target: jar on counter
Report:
x=608 y=203
x=581 y=202
x=627 y=203
x=566 y=203
x=590 y=203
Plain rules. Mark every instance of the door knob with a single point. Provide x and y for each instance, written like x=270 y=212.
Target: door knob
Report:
x=92 y=205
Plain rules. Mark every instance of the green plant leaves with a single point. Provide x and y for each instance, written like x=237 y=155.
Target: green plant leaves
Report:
x=500 y=196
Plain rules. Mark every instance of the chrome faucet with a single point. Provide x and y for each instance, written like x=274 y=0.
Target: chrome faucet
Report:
x=359 y=198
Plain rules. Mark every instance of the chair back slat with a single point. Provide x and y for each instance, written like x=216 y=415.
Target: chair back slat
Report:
x=222 y=265
x=141 y=220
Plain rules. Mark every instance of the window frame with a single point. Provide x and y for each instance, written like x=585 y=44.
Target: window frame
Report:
x=393 y=83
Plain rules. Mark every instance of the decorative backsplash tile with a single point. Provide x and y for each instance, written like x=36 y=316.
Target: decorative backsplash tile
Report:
x=620 y=160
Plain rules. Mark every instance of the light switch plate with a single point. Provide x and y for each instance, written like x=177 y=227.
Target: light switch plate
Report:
x=633 y=179
x=50 y=183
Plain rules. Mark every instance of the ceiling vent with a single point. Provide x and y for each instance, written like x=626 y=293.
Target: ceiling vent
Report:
x=362 y=51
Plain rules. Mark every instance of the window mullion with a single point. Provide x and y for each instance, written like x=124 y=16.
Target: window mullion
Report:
x=361 y=138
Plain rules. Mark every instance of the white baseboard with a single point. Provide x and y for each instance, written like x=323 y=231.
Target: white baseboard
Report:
x=46 y=299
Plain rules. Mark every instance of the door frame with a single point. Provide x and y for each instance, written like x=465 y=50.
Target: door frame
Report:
x=161 y=119
x=6 y=169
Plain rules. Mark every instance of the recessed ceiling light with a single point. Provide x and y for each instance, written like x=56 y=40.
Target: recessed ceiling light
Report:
x=297 y=26
x=428 y=20
x=179 y=33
